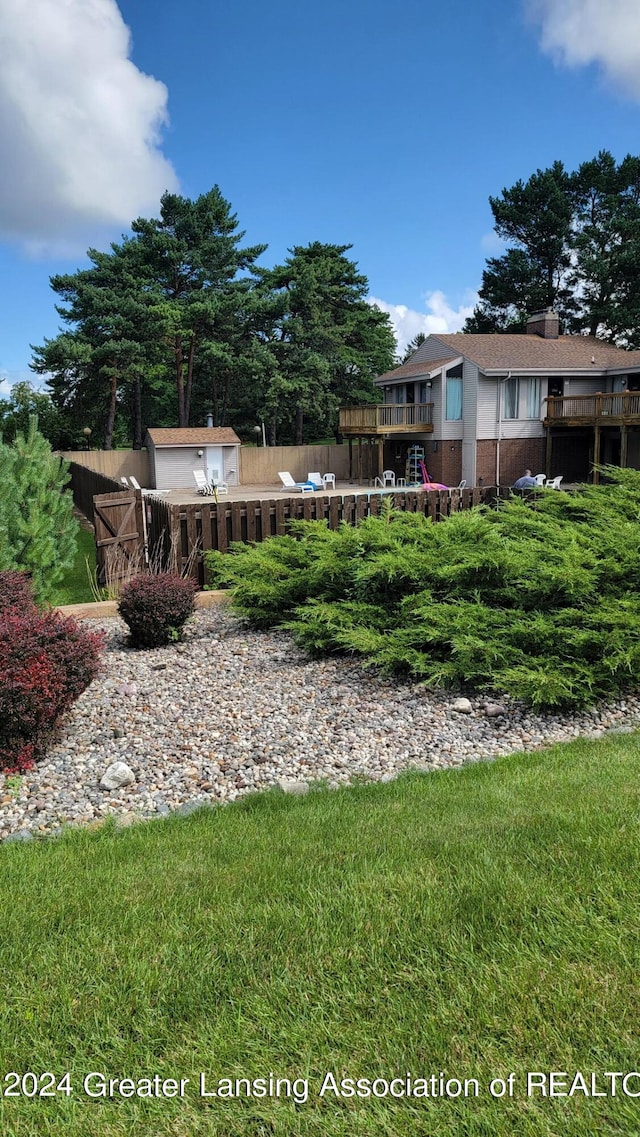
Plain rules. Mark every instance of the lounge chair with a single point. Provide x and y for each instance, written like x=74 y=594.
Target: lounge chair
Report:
x=289 y=484
x=316 y=480
x=203 y=486
x=125 y=482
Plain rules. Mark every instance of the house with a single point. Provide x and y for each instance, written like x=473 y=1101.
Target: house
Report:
x=486 y=407
x=175 y=453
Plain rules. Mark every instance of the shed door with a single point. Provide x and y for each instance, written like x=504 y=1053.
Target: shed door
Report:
x=214 y=463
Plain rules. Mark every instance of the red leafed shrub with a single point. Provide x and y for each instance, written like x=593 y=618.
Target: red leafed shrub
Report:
x=15 y=592
x=156 y=607
x=46 y=661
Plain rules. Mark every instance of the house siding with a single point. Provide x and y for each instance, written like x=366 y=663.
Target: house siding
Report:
x=433 y=348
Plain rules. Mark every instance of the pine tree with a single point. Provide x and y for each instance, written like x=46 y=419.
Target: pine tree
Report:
x=38 y=532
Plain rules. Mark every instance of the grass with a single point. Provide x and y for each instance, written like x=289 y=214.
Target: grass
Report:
x=476 y=922
x=76 y=588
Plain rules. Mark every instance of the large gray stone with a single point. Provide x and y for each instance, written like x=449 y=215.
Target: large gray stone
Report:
x=462 y=706
x=288 y=786
x=116 y=775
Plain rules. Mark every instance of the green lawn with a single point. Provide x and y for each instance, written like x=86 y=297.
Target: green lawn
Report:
x=475 y=922
x=75 y=588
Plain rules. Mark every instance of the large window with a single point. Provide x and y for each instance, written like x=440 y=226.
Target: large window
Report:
x=453 y=405
x=510 y=398
x=521 y=398
x=533 y=398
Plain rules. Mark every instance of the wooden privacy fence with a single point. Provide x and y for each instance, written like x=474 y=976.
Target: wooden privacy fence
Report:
x=85 y=484
x=131 y=529
x=214 y=526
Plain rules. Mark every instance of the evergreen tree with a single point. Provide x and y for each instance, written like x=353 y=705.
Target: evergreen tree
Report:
x=327 y=343
x=535 y=218
x=574 y=245
x=38 y=532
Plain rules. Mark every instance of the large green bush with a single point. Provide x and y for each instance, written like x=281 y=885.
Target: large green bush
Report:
x=38 y=532
x=537 y=599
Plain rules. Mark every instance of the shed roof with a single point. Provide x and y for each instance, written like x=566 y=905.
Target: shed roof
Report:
x=193 y=436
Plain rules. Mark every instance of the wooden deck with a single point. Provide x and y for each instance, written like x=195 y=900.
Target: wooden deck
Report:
x=620 y=408
x=387 y=418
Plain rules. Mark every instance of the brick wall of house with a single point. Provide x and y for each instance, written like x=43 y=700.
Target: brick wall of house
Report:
x=444 y=461
x=516 y=456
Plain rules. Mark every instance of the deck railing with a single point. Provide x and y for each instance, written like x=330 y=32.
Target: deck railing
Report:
x=617 y=404
x=385 y=416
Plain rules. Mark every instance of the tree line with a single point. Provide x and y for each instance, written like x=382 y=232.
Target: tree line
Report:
x=178 y=320
x=573 y=244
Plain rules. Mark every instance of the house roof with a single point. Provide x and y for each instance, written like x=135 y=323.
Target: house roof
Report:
x=413 y=370
x=193 y=436
x=533 y=353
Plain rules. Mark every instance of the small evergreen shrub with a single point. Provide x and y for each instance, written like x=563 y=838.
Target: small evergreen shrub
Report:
x=46 y=662
x=38 y=532
x=155 y=607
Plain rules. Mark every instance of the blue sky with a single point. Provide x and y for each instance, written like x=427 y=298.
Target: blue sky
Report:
x=357 y=122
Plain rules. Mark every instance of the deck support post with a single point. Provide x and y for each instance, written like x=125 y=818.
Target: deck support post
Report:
x=359 y=459
x=380 y=455
x=624 y=438
x=596 y=455
x=350 y=458
x=547 y=459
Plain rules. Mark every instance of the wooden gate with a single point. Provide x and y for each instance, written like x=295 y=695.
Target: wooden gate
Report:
x=117 y=518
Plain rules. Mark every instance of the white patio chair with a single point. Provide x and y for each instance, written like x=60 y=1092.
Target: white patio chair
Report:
x=329 y=480
x=554 y=483
x=388 y=478
x=221 y=488
x=462 y=485
x=316 y=480
x=289 y=484
x=540 y=479
x=202 y=484
x=125 y=482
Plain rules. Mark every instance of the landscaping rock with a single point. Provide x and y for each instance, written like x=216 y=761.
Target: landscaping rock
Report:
x=462 y=706
x=116 y=775
x=288 y=786
x=494 y=710
x=239 y=711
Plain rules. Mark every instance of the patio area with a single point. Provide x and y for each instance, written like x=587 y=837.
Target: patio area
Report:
x=272 y=492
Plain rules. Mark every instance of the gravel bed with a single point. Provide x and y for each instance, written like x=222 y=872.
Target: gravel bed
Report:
x=230 y=711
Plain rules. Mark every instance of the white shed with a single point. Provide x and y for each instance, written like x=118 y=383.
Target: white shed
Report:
x=176 y=452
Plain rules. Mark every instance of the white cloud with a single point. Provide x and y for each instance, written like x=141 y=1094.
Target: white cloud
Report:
x=5 y=388
x=79 y=123
x=440 y=317
x=604 y=32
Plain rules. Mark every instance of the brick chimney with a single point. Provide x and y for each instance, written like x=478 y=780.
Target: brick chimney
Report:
x=545 y=324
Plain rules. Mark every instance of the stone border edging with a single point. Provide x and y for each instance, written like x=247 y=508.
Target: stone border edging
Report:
x=104 y=609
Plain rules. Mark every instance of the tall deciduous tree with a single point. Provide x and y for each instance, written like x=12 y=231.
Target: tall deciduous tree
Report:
x=327 y=342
